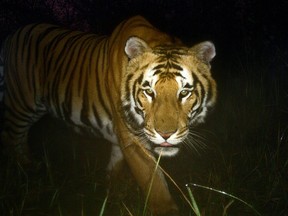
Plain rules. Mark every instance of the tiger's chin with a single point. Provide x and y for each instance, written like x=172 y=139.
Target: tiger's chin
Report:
x=166 y=150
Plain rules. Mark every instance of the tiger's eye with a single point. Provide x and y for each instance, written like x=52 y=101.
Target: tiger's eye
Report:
x=149 y=92
x=184 y=93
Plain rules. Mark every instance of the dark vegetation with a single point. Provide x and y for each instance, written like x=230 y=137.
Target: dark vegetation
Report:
x=246 y=136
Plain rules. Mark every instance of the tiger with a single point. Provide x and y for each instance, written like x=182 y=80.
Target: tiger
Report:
x=139 y=87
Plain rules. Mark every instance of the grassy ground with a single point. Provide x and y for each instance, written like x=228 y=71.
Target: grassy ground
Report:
x=246 y=155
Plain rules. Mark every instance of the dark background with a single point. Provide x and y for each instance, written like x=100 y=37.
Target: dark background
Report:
x=246 y=135
x=229 y=23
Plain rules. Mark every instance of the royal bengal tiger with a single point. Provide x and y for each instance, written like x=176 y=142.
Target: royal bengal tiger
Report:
x=140 y=88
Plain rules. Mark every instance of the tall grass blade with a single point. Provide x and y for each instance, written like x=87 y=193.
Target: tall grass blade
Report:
x=48 y=165
x=193 y=202
x=60 y=210
x=103 y=206
x=54 y=197
x=151 y=183
x=127 y=209
x=226 y=194
x=226 y=208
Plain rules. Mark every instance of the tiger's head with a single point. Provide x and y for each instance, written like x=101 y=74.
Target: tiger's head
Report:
x=166 y=90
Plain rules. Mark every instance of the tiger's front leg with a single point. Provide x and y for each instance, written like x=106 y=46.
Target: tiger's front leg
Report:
x=153 y=184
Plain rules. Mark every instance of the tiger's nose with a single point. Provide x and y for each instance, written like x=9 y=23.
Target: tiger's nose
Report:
x=166 y=134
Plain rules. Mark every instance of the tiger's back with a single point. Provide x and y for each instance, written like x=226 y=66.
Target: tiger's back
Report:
x=57 y=70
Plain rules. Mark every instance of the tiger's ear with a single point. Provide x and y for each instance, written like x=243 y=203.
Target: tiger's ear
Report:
x=205 y=51
x=135 y=47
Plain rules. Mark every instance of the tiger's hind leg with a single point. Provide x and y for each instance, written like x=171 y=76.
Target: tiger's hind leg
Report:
x=19 y=116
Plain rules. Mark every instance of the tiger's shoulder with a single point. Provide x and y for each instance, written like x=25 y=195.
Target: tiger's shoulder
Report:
x=140 y=27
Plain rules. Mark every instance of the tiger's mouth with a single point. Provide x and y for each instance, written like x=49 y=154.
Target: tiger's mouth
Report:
x=166 y=149
x=163 y=144
x=166 y=144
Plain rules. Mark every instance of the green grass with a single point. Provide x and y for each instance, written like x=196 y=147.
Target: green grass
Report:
x=246 y=155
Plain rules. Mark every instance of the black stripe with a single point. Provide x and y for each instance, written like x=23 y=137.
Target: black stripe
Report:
x=136 y=82
x=209 y=91
x=53 y=91
x=104 y=51
x=202 y=91
x=66 y=107
x=209 y=87
x=187 y=85
x=140 y=78
x=83 y=74
x=49 y=49
x=140 y=104
x=131 y=120
x=178 y=74
x=17 y=66
x=176 y=66
x=159 y=66
x=58 y=71
x=195 y=102
x=19 y=115
x=196 y=93
x=72 y=72
x=20 y=93
x=97 y=117
x=27 y=56
x=44 y=34
x=126 y=108
x=201 y=94
x=98 y=81
x=26 y=32
x=65 y=64
x=134 y=89
x=157 y=72
x=139 y=111
x=127 y=89
x=146 y=84
x=69 y=49
x=84 y=113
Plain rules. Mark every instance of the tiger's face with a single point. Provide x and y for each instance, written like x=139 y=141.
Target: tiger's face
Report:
x=167 y=90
